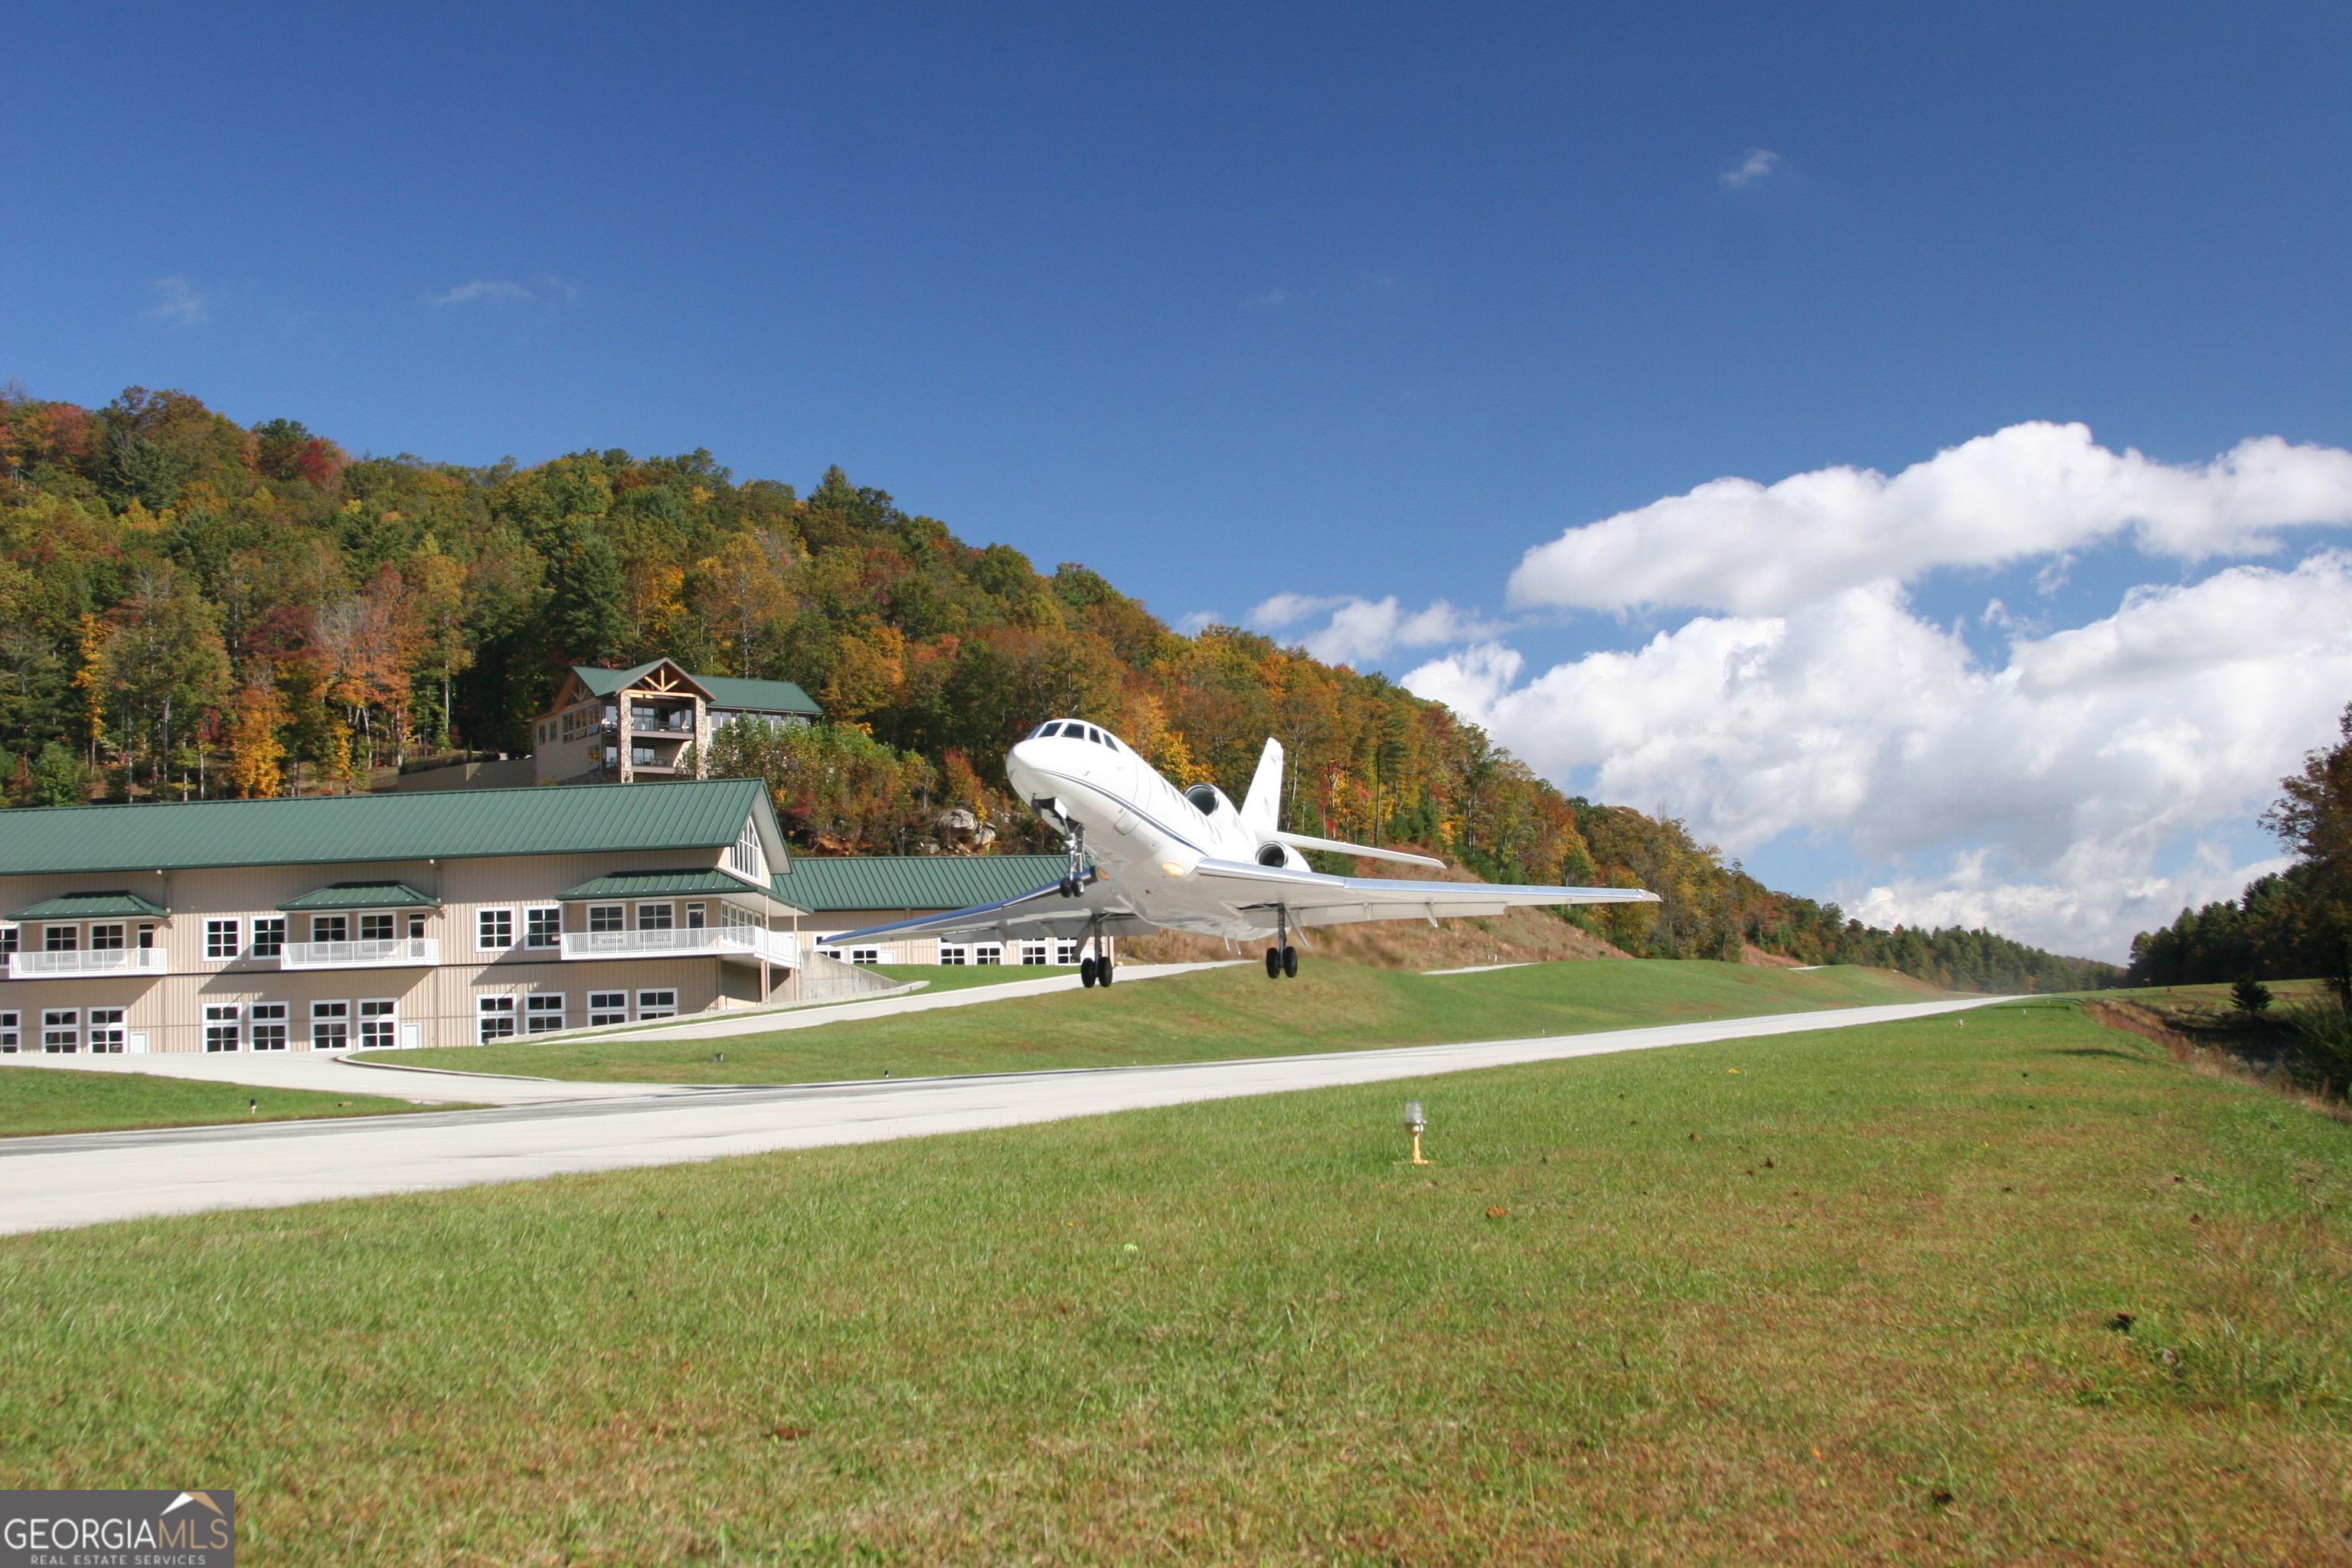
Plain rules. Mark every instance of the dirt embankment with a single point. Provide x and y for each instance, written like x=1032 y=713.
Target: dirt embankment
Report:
x=1515 y=936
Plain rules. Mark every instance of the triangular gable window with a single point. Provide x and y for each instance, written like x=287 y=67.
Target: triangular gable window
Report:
x=748 y=859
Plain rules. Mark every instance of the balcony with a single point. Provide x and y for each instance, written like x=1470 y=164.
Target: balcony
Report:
x=746 y=944
x=395 y=952
x=88 y=961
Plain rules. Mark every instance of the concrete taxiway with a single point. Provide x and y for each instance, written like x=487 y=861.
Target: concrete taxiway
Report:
x=48 y=1182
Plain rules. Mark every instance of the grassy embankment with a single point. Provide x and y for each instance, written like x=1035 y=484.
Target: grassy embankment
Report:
x=1851 y=1303
x=61 y=1100
x=1212 y=1014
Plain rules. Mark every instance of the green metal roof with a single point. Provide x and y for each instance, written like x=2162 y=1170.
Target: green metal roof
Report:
x=363 y=895
x=89 y=906
x=725 y=690
x=918 y=881
x=604 y=682
x=447 y=825
x=690 y=882
x=758 y=695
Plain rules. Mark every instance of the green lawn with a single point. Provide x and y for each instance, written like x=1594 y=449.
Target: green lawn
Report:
x=1849 y=1303
x=1212 y=1013
x=60 y=1100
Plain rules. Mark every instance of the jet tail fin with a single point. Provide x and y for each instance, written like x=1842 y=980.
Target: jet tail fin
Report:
x=1261 y=807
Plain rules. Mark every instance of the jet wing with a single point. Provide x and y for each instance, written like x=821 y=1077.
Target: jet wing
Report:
x=1313 y=899
x=1042 y=913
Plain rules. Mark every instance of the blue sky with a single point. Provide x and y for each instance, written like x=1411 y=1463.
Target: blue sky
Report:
x=1226 y=301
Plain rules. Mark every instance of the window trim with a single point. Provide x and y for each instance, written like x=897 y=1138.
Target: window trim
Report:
x=233 y=928
x=270 y=934
x=551 y=917
x=483 y=921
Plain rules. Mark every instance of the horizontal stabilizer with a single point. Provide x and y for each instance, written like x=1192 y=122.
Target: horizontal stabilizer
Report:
x=1300 y=841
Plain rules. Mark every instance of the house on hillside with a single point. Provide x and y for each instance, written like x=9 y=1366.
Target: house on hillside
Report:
x=330 y=922
x=851 y=892
x=625 y=726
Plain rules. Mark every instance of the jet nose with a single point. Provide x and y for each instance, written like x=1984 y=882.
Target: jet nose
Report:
x=1018 y=764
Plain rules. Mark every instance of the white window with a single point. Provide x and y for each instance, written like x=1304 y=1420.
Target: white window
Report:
x=61 y=1029
x=331 y=1025
x=494 y=931
x=607 y=1007
x=221 y=1030
x=697 y=916
x=1033 y=953
x=607 y=917
x=417 y=928
x=106 y=1031
x=954 y=955
x=11 y=1031
x=331 y=928
x=987 y=952
x=865 y=955
x=106 y=937
x=147 y=934
x=9 y=937
x=749 y=857
x=61 y=938
x=378 y=927
x=543 y=1015
x=379 y=1025
x=657 y=1003
x=269 y=1021
x=543 y=927
x=220 y=937
x=655 y=917
x=498 y=1017
x=268 y=939
x=832 y=952
x=1065 y=952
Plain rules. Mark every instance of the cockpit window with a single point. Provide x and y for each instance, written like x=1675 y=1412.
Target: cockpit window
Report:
x=1046 y=730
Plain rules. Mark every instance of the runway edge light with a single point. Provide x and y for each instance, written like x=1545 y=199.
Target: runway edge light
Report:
x=1414 y=1124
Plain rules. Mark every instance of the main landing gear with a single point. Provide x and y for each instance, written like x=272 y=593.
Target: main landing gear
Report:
x=1094 y=971
x=1282 y=960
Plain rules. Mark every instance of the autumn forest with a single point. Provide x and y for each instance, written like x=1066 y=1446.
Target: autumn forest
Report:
x=193 y=607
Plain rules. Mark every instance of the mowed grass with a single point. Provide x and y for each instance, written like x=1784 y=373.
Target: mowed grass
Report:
x=1849 y=1303
x=1209 y=1015
x=61 y=1100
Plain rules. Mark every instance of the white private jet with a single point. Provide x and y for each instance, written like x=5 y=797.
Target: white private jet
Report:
x=1143 y=854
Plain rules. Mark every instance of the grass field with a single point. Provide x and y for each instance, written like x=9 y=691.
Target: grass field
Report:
x=1220 y=1013
x=1852 y=1303
x=60 y=1100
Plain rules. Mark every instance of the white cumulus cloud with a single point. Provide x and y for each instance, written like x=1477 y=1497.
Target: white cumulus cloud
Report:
x=1356 y=630
x=2030 y=491
x=1760 y=164
x=2078 y=791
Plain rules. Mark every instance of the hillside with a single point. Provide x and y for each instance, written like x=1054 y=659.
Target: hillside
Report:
x=189 y=606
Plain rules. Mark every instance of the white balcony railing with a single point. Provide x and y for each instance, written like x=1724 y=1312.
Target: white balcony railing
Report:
x=746 y=942
x=395 y=952
x=88 y=961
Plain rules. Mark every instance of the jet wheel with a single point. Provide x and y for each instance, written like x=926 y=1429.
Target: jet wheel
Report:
x=1102 y=971
x=1290 y=963
x=1087 y=973
x=1273 y=963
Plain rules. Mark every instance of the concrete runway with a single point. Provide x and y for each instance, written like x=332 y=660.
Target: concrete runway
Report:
x=76 y=1179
